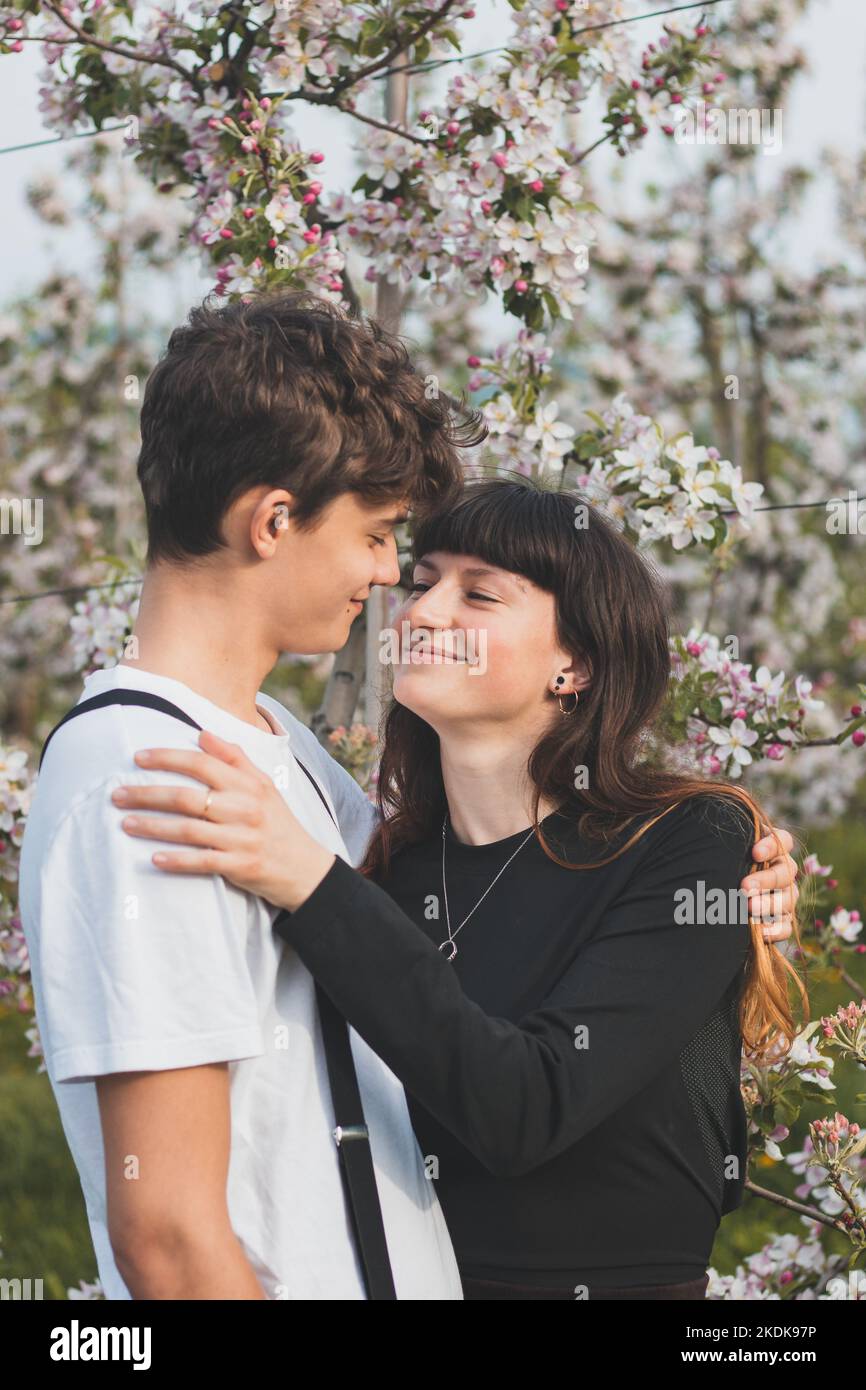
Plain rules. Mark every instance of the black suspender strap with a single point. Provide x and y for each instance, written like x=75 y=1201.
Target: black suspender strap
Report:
x=351 y=1133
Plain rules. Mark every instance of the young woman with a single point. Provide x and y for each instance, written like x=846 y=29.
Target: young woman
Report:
x=560 y=968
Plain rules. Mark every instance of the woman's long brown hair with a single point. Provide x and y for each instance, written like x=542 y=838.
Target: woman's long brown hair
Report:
x=611 y=611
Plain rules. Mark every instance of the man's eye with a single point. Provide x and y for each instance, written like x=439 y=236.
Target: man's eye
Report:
x=380 y=540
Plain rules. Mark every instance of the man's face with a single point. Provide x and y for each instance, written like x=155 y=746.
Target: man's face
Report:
x=318 y=579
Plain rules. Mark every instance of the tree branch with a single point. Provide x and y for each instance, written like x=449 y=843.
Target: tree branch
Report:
x=131 y=54
x=400 y=46
x=799 y=1207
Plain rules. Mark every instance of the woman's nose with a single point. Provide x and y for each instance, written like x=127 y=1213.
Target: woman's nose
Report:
x=430 y=609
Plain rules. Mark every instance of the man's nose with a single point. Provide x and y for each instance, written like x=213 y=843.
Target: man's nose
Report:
x=387 y=570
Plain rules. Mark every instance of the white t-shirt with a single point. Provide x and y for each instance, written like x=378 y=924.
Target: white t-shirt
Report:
x=135 y=969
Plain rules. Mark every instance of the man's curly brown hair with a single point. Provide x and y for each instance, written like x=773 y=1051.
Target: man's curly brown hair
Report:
x=288 y=390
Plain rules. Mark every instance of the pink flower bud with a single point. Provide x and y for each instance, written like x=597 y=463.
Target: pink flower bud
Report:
x=308 y=198
x=214 y=124
x=14 y=25
x=17 y=46
x=668 y=129
x=272 y=242
x=715 y=765
x=315 y=187
x=537 y=185
x=486 y=205
x=473 y=361
x=310 y=235
x=497 y=266
x=786 y=1277
x=708 y=88
x=520 y=286
x=265 y=103
x=255 y=125
x=248 y=144
x=227 y=234
x=858 y=738
x=676 y=98
x=500 y=159
x=317 y=158
x=856 y=710
x=249 y=213
x=635 y=85
x=701 y=30
x=739 y=714
x=453 y=127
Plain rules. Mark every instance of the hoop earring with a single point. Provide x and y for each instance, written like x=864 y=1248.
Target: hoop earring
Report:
x=574 y=706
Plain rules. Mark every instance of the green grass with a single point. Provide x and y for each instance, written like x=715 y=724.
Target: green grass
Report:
x=43 y=1223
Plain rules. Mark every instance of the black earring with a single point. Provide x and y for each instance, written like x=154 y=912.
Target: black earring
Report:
x=560 y=679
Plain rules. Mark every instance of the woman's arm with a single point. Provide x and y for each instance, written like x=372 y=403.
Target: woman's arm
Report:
x=517 y=1094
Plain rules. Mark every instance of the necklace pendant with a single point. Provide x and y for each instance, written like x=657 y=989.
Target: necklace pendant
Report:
x=451 y=947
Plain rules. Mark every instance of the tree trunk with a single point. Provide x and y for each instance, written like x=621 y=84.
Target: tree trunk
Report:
x=357 y=666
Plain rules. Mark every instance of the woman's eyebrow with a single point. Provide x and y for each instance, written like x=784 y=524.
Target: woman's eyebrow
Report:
x=479 y=570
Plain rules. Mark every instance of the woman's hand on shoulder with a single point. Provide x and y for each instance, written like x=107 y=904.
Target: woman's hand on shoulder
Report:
x=773 y=892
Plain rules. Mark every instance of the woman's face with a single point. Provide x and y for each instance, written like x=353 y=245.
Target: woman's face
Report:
x=478 y=643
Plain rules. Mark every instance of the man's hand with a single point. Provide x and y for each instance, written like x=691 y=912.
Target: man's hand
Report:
x=773 y=892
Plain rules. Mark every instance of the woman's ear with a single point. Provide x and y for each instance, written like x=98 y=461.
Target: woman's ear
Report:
x=576 y=675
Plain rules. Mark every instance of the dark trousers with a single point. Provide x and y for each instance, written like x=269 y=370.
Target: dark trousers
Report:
x=486 y=1288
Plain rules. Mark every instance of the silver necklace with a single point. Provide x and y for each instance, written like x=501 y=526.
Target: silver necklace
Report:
x=451 y=935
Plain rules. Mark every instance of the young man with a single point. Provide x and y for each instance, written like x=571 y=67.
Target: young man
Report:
x=181 y=1037
x=281 y=443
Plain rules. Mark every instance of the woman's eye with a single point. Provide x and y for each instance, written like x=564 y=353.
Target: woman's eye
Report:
x=418 y=588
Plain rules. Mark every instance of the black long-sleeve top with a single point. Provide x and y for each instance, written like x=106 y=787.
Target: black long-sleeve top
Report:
x=573 y=1074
